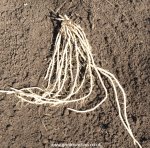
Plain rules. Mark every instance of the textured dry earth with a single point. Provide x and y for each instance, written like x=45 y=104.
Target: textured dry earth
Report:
x=118 y=31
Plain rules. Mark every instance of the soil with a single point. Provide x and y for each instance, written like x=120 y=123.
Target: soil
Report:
x=119 y=33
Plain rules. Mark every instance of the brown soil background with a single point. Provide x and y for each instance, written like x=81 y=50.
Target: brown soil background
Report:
x=119 y=34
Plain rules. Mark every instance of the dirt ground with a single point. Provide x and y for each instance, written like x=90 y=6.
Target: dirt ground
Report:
x=119 y=33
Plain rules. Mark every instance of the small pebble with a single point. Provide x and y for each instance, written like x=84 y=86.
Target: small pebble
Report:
x=45 y=141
